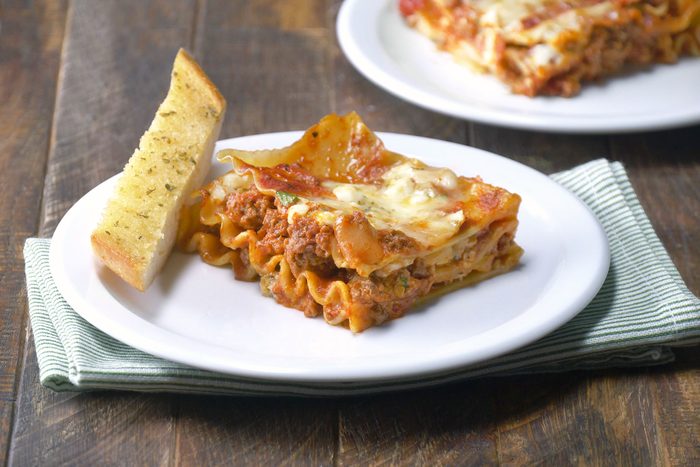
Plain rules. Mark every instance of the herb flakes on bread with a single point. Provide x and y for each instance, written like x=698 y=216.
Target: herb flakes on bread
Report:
x=139 y=224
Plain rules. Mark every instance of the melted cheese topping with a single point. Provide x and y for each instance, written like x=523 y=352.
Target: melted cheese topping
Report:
x=504 y=13
x=228 y=183
x=550 y=39
x=417 y=200
x=550 y=27
x=299 y=209
x=507 y=16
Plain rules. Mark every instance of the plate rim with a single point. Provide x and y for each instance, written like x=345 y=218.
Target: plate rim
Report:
x=172 y=352
x=418 y=96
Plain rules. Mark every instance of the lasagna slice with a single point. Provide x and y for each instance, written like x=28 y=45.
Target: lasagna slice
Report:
x=550 y=46
x=337 y=225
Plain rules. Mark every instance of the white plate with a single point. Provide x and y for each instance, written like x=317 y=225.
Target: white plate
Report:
x=199 y=315
x=376 y=40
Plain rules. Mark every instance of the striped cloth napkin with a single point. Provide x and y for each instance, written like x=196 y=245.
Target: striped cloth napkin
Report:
x=642 y=310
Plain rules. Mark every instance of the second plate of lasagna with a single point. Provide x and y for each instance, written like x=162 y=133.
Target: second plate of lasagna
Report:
x=218 y=318
x=596 y=66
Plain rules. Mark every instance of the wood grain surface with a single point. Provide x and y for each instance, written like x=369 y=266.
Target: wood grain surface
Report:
x=31 y=35
x=79 y=83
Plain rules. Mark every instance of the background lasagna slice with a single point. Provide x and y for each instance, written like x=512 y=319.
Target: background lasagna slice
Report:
x=551 y=46
x=336 y=225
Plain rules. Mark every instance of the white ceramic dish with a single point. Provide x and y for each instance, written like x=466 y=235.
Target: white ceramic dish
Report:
x=376 y=40
x=199 y=315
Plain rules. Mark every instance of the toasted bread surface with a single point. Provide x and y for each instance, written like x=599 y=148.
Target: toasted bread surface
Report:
x=139 y=224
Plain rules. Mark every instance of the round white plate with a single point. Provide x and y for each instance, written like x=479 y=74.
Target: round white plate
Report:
x=201 y=316
x=376 y=40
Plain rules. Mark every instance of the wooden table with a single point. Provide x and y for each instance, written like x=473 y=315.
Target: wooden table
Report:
x=79 y=83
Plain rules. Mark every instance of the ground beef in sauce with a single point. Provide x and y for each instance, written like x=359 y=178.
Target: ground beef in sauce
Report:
x=504 y=242
x=247 y=208
x=420 y=270
x=309 y=247
x=388 y=297
x=304 y=303
x=273 y=234
x=396 y=242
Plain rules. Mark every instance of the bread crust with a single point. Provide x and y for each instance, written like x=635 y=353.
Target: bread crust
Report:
x=216 y=96
x=138 y=228
x=117 y=259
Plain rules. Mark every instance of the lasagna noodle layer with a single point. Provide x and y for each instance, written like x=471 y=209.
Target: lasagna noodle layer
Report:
x=549 y=47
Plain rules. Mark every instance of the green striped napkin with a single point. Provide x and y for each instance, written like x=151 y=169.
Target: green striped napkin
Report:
x=642 y=309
